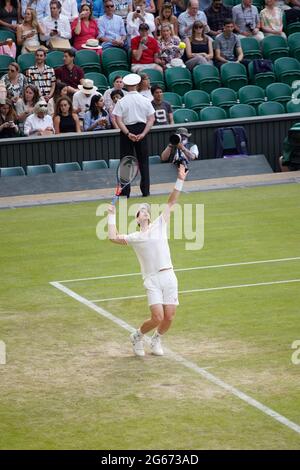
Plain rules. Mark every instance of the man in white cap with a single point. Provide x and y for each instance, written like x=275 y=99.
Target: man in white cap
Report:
x=152 y=249
x=82 y=98
x=135 y=116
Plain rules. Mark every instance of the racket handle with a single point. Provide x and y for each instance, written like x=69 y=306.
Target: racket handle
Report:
x=114 y=199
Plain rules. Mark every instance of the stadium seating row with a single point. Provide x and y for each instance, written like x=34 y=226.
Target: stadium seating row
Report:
x=87 y=165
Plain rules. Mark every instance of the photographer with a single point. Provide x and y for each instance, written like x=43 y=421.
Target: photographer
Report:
x=180 y=150
x=246 y=19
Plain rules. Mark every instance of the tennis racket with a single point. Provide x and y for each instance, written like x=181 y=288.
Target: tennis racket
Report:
x=127 y=171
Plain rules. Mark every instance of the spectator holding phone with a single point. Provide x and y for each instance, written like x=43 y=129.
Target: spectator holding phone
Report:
x=10 y=14
x=8 y=121
x=97 y=118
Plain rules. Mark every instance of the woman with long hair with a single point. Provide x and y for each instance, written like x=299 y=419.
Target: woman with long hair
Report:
x=10 y=14
x=8 y=120
x=169 y=45
x=25 y=105
x=28 y=32
x=199 y=49
x=84 y=27
x=97 y=118
x=166 y=17
x=14 y=81
x=65 y=120
x=61 y=89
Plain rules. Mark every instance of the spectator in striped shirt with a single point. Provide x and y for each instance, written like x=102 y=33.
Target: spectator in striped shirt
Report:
x=42 y=76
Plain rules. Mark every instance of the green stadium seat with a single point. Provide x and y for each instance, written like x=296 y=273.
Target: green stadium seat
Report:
x=287 y=70
x=5 y=60
x=212 y=113
x=114 y=74
x=6 y=34
x=174 y=99
x=113 y=59
x=185 y=115
x=262 y=79
x=293 y=28
x=12 y=171
x=100 y=80
x=196 y=99
x=206 y=77
x=33 y=170
x=223 y=97
x=113 y=163
x=251 y=48
x=156 y=77
x=88 y=165
x=274 y=47
x=294 y=45
x=66 y=167
x=25 y=61
x=241 y=110
x=55 y=59
x=293 y=106
x=88 y=60
x=234 y=75
x=154 y=159
x=251 y=94
x=178 y=80
x=270 y=107
x=280 y=92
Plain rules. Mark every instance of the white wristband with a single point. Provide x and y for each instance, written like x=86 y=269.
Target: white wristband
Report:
x=111 y=219
x=179 y=184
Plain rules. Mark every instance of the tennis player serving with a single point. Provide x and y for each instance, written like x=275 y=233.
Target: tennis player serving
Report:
x=152 y=249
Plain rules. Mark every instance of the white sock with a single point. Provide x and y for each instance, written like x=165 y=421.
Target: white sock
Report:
x=139 y=333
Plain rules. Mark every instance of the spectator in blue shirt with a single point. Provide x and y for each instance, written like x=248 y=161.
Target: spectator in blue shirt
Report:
x=111 y=28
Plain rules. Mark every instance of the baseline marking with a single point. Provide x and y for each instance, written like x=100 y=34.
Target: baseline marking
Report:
x=181 y=360
x=187 y=269
x=191 y=291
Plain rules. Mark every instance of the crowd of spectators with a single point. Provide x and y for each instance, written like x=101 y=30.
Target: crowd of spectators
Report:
x=159 y=35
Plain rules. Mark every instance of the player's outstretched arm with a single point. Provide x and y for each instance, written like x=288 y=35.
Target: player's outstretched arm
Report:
x=181 y=175
x=112 y=229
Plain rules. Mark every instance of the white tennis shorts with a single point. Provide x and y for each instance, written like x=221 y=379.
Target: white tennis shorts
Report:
x=162 y=288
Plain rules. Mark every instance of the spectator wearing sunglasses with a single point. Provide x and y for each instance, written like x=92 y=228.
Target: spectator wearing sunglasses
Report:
x=56 y=25
x=14 y=81
x=39 y=123
x=199 y=49
x=111 y=28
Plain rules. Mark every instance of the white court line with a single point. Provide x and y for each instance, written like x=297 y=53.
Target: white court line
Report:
x=187 y=269
x=181 y=360
x=190 y=291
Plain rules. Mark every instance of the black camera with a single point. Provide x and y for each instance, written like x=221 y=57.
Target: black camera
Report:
x=175 y=139
x=250 y=27
x=179 y=157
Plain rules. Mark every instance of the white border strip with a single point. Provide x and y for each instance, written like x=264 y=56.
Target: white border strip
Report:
x=187 y=269
x=181 y=360
x=191 y=291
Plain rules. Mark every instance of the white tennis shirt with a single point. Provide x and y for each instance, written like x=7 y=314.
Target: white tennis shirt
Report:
x=152 y=247
x=133 y=108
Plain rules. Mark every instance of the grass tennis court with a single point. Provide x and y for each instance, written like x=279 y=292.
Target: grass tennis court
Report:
x=71 y=380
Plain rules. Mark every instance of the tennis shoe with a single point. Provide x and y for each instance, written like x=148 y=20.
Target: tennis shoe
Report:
x=137 y=344
x=156 y=346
